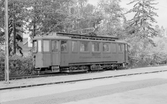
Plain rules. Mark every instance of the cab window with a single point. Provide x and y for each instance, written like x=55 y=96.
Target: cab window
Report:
x=64 y=46
x=95 y=46
x=74 y=46
x=106 y=47
x=46 y=46
x=39 y=46
x=83 y=46
x=35 y=46
x=55 y=46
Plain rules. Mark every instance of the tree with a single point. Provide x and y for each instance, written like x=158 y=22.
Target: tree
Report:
x=142 y=23
x=83 y=16
x=113 y=18
x=44 y=16
x=15 y=8
x=140 y=29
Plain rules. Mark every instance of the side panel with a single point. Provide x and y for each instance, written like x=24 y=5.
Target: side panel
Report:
x=46 y=59
x=38 y=59
x=114 y=52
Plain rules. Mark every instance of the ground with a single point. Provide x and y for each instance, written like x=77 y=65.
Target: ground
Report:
x=137 y=89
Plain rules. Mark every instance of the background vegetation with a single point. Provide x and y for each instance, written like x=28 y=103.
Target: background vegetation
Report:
x=38 y=17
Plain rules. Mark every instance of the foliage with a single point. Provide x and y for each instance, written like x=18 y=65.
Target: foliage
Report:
x=113 y=18
x=142 y=23
x=140 y=32
x=46 y=16
x=19 y=65
x=15 y=8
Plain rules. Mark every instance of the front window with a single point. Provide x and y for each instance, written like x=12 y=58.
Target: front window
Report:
x=95 y=46
x=83 y=46
x=46 y=45
x=39 y=46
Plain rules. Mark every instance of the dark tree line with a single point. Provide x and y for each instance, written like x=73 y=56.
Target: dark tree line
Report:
x=39 y=17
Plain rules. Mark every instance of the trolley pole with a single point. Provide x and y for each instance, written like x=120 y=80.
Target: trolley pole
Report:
x=7 y=44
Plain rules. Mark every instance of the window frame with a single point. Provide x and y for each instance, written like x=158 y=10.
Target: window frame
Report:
x=74 y=51
x=48 y=47
x=57 y=46
x=120 y=47
x=109 y=46
x=94 y=46
x=88 y=50
x=66 y=46
x=35 y=46
x=40 y=46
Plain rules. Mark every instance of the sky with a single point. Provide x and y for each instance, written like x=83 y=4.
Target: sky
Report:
x=161 y=6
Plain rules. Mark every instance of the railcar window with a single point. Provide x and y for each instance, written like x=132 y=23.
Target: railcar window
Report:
x=83 y=46
x=46 y=46
x=35 y=46
x=95 y=46
x=39 y=46
x=106 y=47
x=120 y=47
x=126 y=47
x=64 y=46
x=55 y=46
x=74 y=46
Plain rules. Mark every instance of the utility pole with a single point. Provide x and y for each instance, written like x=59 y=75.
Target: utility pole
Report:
x=7 y=44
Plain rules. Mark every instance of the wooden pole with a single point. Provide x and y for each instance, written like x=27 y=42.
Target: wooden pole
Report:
x=7 y=44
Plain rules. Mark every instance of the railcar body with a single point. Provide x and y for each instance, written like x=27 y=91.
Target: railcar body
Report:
x=59 y=52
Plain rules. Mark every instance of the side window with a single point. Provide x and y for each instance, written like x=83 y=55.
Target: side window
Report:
x=83 y=46
x=64 y=46
x=46 y=46
x=39 y=46
x=74 y=46
x=106 y=47
x=55 y=46
x=95 y=46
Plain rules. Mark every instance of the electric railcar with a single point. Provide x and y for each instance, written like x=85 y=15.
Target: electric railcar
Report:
x=64 y=52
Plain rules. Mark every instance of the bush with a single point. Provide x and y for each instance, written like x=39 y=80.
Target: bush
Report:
x=19 y=65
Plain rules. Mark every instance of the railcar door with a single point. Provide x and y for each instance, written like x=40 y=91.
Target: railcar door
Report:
x=64 y=52
x=55 y=53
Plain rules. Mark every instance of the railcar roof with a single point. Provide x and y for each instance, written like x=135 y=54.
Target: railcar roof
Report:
x=55 y=35
x=88 y=36
x=51 y=36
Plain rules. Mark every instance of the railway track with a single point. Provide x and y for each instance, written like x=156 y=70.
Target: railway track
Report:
x=14 y=77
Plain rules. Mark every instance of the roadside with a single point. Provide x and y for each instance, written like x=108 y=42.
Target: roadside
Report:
x=78 y=77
